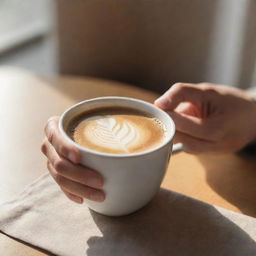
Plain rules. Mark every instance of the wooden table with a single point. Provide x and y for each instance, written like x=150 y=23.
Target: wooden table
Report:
x=27 y=101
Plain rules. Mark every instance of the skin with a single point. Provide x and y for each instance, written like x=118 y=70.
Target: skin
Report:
x=208 y=118
x=76 y=181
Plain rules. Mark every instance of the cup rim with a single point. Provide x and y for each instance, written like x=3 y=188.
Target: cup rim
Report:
x=94 y=152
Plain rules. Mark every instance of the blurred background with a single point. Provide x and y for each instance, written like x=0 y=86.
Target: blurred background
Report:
x=26 y=35
x=150 y=43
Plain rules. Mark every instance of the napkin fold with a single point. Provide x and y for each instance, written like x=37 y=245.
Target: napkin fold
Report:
x=172 y=224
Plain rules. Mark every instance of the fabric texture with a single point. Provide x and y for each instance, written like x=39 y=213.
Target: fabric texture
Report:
x=172 y=224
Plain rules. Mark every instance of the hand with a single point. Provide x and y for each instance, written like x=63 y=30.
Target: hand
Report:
x=75 y=180
x=210 y=117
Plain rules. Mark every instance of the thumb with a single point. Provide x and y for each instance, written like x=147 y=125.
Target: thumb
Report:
x=180 y=92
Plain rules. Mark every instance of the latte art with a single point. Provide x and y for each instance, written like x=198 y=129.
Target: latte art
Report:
x=114 y=133
x=118 y=133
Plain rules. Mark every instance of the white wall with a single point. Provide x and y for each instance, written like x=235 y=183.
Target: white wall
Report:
x=23 y=20
x=232 y=52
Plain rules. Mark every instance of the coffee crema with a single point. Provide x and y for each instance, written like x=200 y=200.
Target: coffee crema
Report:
x=117 y=130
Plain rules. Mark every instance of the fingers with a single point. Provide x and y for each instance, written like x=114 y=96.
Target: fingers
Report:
x=192 y=126
x=190 y=109
x=76 y=181
x=188 y=105
x=180 y=92
x=194 y=145
x=72 y=197
x=61 y=146
x=74 y=172
x=76 y=190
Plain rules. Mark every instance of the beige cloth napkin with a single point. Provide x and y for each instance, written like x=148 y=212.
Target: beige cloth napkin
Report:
x=172 y=224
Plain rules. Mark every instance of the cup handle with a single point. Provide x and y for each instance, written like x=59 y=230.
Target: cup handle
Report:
x=177 y=148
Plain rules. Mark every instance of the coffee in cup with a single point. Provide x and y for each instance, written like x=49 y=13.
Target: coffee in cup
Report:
x=134 y=161
x=117 y=130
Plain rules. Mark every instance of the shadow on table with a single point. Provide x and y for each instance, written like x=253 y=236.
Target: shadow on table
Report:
x=233 y=177
x=171 y=224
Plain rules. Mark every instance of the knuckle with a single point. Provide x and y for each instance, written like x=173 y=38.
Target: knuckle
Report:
x=205 y=86
x=184 y=88
x=48 y=164
x=178 y=86
x=63 y=150
x=49 y=128
x=209 y=88
x=59 y=179
x=49 y=134
x=48 y=124
x=59 y=165
x=43 y=147
x=52 y=119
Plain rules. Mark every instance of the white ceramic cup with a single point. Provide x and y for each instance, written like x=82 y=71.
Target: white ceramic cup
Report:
x=130 y=180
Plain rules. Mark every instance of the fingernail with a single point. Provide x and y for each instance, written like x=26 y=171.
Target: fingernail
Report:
x=162 y=101
x=72 y=157
x=79 y=200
